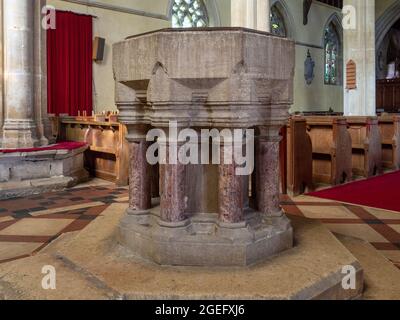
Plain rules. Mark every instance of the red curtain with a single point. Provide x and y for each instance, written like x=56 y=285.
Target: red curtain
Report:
x=69 y=64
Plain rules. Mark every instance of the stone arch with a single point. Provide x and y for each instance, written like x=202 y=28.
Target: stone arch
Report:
x=283 y=8
x=213 y=14
x=383 y=25
x=386 y=21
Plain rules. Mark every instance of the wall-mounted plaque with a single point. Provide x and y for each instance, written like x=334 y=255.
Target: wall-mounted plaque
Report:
x=309 y=65
x=351 y=75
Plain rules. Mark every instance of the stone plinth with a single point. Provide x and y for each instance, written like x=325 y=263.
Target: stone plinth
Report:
x=90 y=265
x=224 y=79
x=26 y=173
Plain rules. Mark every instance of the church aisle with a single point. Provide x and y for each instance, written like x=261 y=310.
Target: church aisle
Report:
x=29 y=224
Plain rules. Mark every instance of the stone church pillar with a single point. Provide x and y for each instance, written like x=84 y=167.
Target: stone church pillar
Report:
x=1 y=74
x=23 y=116
x=173 y=200
x=130 y=102
x=252 y=14
x=359 y=46
x=267 y=172
x=44 y=130
x=139 y=171
x=19 y=129
x=231 y=191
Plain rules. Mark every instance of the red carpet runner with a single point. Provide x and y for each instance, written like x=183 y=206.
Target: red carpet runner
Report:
x=67 y=145
x=381 y=192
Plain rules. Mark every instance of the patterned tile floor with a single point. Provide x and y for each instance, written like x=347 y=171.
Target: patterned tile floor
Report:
x=28 y=224
x=381 y=228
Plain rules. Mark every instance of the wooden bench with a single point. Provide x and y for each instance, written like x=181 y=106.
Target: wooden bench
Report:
x=331 y=149
x=299 y=157
x=389 y=126
x=108 y=154
x=366 y=145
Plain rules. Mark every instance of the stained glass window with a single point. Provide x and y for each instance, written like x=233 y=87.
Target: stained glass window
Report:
x=332 y=52
x=189 y=14
x=278 y=27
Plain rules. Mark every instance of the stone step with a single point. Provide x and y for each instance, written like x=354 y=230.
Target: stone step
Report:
x=312 y=270
x=90 y=265
x=61 y=241
x=15 y=189
x=382 y=278
x=22 y=280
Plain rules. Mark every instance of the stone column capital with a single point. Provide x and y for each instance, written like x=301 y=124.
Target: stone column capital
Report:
x=136 y=132
x=269 y=133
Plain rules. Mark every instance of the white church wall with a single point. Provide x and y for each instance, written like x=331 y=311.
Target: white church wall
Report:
x=317 y=96
x=114 y=26
x=307 y=97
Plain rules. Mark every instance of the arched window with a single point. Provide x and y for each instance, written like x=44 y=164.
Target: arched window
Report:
x=278 y=26
x=189 y=14
x=332 y=55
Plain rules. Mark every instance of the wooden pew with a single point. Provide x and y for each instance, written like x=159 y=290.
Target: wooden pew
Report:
x=331 y=149
x=299 y=157
x=389 y=126
x=366 y=146
x=108 y=153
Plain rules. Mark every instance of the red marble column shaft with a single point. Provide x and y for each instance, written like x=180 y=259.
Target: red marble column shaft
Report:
x=155 y=181
x=267 y=176
x=230 y=195
x=139 y=177
x=172 y=193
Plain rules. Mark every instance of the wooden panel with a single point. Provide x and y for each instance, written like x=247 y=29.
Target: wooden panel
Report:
x=283 y=158
x=396 y=143
x=390 y=132
x=366 y=145
x=331 y=145
x=299 y=156
x=351 y=75
x=108 y=153
x=388 y=95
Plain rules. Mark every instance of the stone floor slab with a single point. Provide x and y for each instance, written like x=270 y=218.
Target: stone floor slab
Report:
x=395 y=227
x=10 y=250
x=384 y=214
x=382 y=278
x=6 y=219
x=37 y=227
x=317 y=212
x=360 y=231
